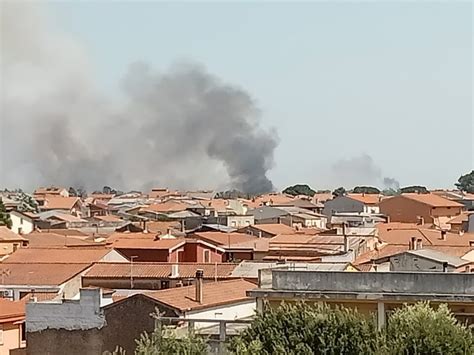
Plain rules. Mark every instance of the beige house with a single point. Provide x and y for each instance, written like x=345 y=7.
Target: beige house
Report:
x=10 y=242
x=12 y=325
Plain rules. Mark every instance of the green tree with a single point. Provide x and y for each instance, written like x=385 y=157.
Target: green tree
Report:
x=27 y=203
x=299 y=189
x=414 y=189
x=4 y=216
x=340 y=191
x=164 y=341
x=466 y=182
x=419 y=329
x=307 y=329
x=365 y=190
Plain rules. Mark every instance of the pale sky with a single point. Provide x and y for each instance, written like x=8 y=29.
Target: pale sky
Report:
x=337 y=80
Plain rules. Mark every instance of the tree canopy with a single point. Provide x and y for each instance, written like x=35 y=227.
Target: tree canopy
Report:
x=4 y=216
x=365 y=190
x=466 y=182
x=414 y=189
x=299 y=189
x=27 y=203
x=301 y=328
x=340 y=191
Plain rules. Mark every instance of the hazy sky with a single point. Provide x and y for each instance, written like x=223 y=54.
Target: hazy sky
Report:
x=356 y=91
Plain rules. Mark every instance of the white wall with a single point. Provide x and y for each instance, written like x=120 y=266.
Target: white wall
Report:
x=114 y=255
x=228 y=312
x=19 y=223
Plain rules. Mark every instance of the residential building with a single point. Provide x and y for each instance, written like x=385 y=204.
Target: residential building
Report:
x=267 y=214
x=421 y=208
x=12 y=326
x=268 y=230
x=358 y=203
x=10 y=241
x=23 y=222
x=83 y=326
x=376 y=293
x=51 y=191
x=153 y=276
x=460 y=224
x=69 y=205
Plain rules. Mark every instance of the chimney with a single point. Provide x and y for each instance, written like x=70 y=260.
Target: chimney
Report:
x=413 y=243
x=420 y=220
x=346 y=243
x=445 y=266
x=443 y=235
x=419 y=244
x=199 y=275
x=174 y=270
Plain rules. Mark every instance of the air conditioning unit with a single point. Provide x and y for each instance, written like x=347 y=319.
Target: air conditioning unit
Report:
x=6 y=293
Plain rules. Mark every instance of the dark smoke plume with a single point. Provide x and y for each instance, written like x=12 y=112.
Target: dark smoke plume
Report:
x=182 y=128
x=361 y=170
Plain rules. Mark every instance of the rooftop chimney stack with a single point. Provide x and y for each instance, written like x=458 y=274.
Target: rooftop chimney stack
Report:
x=199 y=276
x=445 y=267
x=413 y=243
x=346 y=244
x=443 y=235
x=175 y=270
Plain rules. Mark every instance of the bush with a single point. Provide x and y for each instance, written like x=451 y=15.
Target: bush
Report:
x=307 y=329
x=420 y=329
x=165 y=341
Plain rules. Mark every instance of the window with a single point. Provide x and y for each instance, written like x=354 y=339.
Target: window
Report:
x=207 y=256
x=23 y=332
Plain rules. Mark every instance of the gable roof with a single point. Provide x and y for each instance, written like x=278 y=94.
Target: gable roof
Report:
x=214 y=294
x=159 y=270
x=366 y=199
x=225 y=239
x=11 y=311
x=38 y=274
x=432 y=200
x=165 y=207
x=266 y=212
x=439 y=257
x=57 y=255
x=59 y=203
x=6 y=235
x=59 y=215
x=274 y=229
x=46 y=239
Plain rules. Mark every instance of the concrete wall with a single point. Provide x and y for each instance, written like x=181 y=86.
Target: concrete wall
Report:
x=470 y=223
x=410 y=262
x=67 y=314
x=375 y=282
x=342 y=204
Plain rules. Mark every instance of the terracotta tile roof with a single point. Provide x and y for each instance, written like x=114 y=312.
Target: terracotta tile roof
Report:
x=57 y=255
x=274 y=229
x=41 y=296
x=45 y=239
x=322 y=197
x=109 y=218
x=162 y=192
x=367 y=199
x=59 y=203
x=60 y=216
x=6 y=235
x=462 y=218
x=68 y=232
x=382 y=252
x=52 y=274
x=53 y=190
x=11 y=311
x=219 y=205
x=104 y=197
x=274 y=199
x=224 y=239
x=148 y=243
x=214 y=294
x=432 y=200
x=162 y=226
x=428 y=237
x=166 y=207
x=159 y=270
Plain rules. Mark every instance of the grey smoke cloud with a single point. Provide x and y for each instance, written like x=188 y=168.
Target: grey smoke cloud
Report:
x=182 y=128
x=361 y=170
